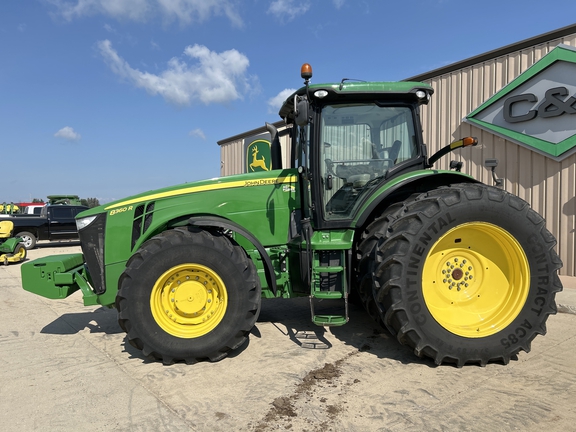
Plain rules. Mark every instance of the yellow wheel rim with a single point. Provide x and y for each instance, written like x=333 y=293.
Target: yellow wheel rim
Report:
x=21 y=254
x=189 y=301
x=475 y=280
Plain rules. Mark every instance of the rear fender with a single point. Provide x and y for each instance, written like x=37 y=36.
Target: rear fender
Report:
x=407 y=187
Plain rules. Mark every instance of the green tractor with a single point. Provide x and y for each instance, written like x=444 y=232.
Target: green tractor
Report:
x=459 y=271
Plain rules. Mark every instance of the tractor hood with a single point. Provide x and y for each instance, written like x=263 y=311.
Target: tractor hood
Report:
x=214 y=184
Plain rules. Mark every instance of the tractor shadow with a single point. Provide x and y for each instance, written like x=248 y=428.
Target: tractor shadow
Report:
x=101 y=320
x=292 y=317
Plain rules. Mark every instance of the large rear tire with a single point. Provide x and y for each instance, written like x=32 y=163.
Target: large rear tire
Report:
x=466 y=274
x=188 y=295
x=365 y=260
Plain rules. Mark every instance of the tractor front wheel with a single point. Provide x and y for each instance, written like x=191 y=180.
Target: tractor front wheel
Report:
x=188 y=295
x=466 y=274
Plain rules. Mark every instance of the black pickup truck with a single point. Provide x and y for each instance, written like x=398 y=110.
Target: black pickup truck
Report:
x=56 y=222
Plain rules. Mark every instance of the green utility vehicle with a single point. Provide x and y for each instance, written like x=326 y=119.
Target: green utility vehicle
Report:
x=459 y=271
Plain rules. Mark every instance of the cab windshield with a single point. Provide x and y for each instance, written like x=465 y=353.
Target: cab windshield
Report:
x=361 y=142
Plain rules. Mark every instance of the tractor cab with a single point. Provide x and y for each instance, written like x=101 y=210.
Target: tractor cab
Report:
x=351 y=137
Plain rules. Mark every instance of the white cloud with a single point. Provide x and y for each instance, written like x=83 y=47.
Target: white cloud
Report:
x=198 y=133
x=68 y=134
x=287 y=10
x=338 y=3
x=131 y=9
x=275 y=103
x=215 y=78
x=185 y=11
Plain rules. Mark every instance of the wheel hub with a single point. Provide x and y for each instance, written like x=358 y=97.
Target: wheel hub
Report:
x=188 y=300
x=189 y=297
x=475 y=279
x=458 y=273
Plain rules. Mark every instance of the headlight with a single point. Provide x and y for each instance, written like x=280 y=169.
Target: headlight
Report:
x=84 y=222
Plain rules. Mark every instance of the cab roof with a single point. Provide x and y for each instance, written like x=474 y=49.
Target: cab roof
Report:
x=378 y=90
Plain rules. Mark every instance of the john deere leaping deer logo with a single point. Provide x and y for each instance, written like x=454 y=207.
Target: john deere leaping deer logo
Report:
x=257 y=163
x=258 y=156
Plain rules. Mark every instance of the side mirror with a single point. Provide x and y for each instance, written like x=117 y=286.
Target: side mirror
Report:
x=301 y=111
x=492 y=164
x=456 y=165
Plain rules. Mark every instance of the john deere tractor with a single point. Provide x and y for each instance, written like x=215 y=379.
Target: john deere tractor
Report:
x=459 y=271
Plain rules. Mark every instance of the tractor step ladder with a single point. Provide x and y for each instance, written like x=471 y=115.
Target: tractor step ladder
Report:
x=329 y=282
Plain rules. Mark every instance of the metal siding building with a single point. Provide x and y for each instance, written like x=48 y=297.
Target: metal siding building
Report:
x=549 y=185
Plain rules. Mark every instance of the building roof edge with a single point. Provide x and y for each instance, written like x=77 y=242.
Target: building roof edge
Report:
x=257 y=131
x=517 y=46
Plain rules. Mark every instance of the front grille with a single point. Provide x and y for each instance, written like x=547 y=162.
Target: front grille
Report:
x=92 y=241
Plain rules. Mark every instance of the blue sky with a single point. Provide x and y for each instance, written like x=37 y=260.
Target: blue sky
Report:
x=108 y=98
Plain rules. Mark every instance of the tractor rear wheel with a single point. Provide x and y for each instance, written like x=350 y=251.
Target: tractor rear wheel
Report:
x=466 y=274
x=364 y=264
x=188 y=295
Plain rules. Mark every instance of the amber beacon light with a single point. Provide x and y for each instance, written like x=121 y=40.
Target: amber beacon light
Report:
x=306 y=71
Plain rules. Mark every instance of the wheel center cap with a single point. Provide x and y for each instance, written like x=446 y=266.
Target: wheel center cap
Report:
x=190 y=297
x=457 y=274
